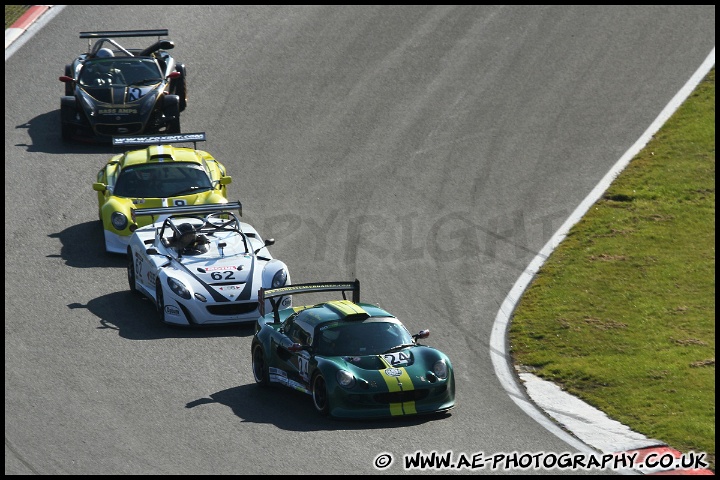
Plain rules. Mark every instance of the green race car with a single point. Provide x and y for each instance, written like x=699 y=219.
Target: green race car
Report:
x=354 y=359
x=159 y=175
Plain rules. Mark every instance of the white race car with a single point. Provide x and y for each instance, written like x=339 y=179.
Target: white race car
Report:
x=202 y=266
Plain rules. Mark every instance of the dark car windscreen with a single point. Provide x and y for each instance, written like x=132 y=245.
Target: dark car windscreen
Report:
x=119 y=71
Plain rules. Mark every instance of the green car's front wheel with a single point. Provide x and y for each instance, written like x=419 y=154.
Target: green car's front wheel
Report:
x=320 y=397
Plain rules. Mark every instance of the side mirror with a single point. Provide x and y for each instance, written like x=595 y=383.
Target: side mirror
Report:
x=422 y=334
x=174 y=74
x=65 y=79
x=295 y=347
x=226 y=180
x=268 y=242
x=152 y=251
x=99 y=187
x=166 y=44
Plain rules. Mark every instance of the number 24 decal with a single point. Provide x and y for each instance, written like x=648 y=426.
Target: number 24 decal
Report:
x=396 y=358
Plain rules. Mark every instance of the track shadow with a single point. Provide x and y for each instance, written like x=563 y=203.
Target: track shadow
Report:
x=44 y=133
x=135 y=318
x=83 y=246
x=292 y=410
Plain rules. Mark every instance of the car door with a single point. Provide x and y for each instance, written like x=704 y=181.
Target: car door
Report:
x=298 y=363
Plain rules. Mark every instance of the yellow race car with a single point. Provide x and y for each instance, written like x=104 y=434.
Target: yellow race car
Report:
x=159 y=175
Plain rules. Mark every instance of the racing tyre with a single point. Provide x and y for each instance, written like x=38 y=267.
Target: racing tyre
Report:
x=67 y=112
x=66 y=131
x=68 y=86
x=171 y=111
x=260 y=366
x=179 y=86
x=160 y=301
x=131 y=272
x=320 y=396
x=174 y=125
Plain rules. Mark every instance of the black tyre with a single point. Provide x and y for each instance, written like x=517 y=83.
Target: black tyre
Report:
x=160 y=301
x=131 y=271
x=179 y=86
x=174 y=126
x=260 y=366
x=66 y=131
x=320 y=396
x=68 y=86
x=67 y=114
x=171 y=111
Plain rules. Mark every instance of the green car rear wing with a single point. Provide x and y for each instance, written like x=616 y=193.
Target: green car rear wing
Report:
x=272 y=294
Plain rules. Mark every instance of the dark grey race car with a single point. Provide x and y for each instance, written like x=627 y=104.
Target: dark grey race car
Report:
x=112 y=90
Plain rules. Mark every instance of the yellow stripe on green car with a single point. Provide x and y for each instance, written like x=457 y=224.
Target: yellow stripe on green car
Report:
x=398 y=380
x=346 y=307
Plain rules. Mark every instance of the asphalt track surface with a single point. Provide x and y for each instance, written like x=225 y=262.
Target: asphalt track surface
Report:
x=432 y=152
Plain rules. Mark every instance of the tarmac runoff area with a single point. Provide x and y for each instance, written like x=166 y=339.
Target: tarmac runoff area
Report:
x=596 y=431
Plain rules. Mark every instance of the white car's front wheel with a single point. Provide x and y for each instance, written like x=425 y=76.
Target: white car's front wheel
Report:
x=131 y=272
x=160 y=300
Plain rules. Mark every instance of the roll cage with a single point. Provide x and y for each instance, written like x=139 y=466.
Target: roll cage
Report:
x=211 y=223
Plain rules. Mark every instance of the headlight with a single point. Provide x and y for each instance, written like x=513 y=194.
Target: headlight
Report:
x=118 y=220
x=178 y=287
x=440 y=369
x=345 y=379
x=279 y=278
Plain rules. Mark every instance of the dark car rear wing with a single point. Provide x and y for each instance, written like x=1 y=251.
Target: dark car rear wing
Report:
x=160 y=139
x=188 y=209
x=271 y=294
x=103 y=36
x=161 y=32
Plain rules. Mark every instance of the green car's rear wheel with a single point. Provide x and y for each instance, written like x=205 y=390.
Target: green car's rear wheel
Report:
x=259 y=366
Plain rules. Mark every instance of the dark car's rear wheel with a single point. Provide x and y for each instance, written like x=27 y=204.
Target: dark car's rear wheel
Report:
x=66 y=131
x=320 y=396
x=131 y=271
x=67 y=114
x=68 y=85
x=260 y=366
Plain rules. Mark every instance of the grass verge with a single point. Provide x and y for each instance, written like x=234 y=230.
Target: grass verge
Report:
x=622 y=314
